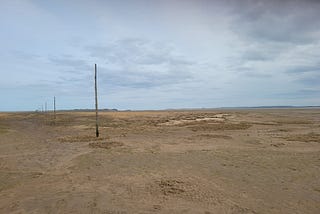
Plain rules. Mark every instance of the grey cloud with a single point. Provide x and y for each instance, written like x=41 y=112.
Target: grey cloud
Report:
x=24 y=55
x=304 y=69
x=303 y=93
x=309 y=92
x=313 y=80
x=70 y=62
x=81 y=80
x=249 y=72
x=276 y=35
x=277 y=21
x=137 y=51
x=145 y=79
x=255 y=74
x=97 y=51
x=258 y=54
x=129 y=63
x=139 y=63
x=71 y=75
x=162 y=58
x=118 y=51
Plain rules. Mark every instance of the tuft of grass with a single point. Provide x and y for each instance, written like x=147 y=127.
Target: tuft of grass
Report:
x=310 y=137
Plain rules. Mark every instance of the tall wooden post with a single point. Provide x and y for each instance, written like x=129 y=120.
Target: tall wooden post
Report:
x=96 y=98
x=45 y=112
x=54 y=108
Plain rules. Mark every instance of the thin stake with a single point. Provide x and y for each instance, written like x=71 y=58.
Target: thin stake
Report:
x=96 y=98
x=54 y=108
x=45 y=111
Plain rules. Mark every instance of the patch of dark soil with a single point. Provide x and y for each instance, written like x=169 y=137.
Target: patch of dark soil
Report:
x=105 y=144
x=214 y=136
x=220 y=126
x=310 y=137
x=171 y=187
x=277 y=144
x=81 y=138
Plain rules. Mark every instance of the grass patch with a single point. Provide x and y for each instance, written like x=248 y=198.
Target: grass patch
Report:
x=105 y=145
x=220 y=126
x=3 y=129
x=293 y=122
x=171 y=187
x=283 y=130
x=83 y=138
x=310 y=137
x=213 y=136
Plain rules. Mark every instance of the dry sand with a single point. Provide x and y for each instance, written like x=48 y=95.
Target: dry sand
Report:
x=235 y=161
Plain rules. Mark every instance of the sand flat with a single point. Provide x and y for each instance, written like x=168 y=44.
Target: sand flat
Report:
x=218 y=161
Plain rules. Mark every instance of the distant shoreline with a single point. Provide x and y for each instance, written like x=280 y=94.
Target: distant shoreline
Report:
x=173 y=109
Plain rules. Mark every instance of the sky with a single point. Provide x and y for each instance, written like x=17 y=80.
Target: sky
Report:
x=159 y=54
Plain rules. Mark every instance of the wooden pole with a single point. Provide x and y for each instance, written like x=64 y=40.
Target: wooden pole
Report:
x=54 y=108
x=96 y=99
x=45 y=112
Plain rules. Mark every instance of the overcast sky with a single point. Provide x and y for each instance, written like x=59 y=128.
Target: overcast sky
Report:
x=159 y=54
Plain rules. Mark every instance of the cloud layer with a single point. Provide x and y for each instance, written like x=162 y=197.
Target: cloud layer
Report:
x=160 y=54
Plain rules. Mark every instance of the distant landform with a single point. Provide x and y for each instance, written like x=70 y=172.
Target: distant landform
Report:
x=172 y=109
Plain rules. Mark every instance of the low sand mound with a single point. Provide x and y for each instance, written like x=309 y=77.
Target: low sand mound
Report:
x=215 y=118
